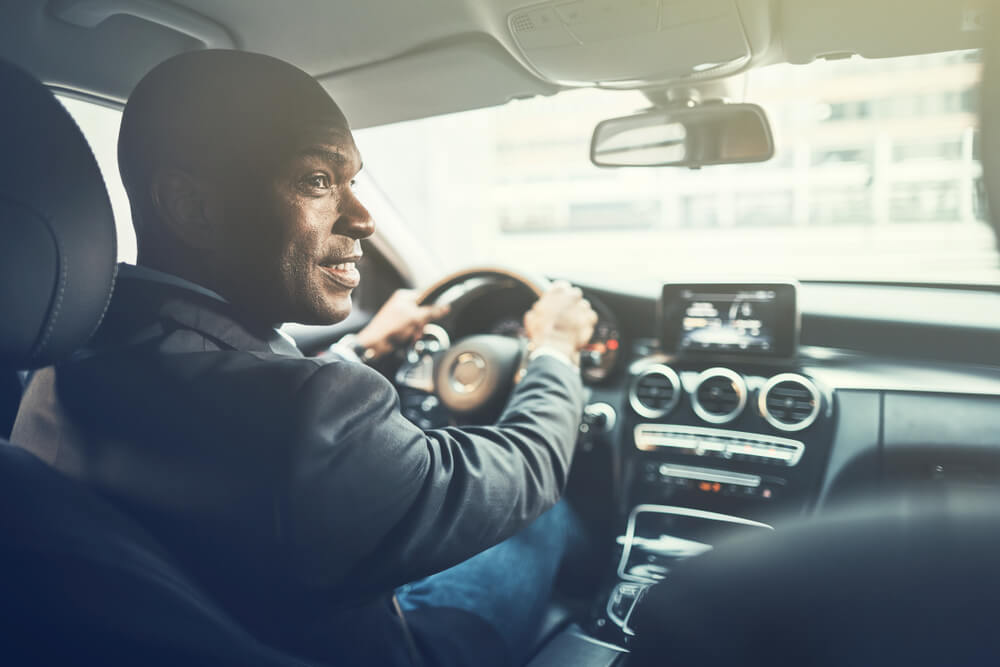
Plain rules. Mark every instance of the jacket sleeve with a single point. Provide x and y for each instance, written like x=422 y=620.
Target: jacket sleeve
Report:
x=372 y=495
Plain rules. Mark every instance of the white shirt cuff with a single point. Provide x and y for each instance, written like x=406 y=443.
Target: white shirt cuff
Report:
x=549 y=351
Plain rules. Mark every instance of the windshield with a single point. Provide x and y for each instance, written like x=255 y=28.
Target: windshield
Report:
x=876 y=176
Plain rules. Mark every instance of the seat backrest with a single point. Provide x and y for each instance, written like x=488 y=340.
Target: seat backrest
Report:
x=80 y=583
x=903 y=578
x=10 y=398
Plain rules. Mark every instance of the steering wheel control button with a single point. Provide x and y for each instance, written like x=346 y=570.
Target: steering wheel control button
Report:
x=417 y=374
x=433 y=339
x=717 y=443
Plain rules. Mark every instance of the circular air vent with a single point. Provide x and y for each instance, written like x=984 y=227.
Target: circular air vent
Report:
x=655 y=391
x=719 y=395
x=789 y=402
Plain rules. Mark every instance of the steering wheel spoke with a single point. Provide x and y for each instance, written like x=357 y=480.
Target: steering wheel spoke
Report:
x=417 y=374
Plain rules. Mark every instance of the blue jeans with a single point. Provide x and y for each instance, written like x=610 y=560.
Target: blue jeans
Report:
x=508 y=586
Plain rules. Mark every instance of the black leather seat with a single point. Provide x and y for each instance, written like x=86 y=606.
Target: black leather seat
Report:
x=908 y=579
x=80 y=583
x=10 y=397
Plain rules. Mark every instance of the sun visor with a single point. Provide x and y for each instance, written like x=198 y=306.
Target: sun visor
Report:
x=628 y=43
x=458 y=75
x=813 y=29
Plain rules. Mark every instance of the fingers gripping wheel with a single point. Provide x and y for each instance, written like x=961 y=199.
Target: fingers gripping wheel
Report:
x=474 y=377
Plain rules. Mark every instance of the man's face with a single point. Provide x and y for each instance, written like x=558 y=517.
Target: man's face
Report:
x=296 y=239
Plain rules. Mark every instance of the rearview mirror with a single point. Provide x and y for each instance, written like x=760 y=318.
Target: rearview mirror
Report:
x=714 y=133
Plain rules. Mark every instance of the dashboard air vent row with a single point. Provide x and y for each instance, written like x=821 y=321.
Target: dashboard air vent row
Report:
x=720 y=395
x=655 y=391
x=789 y=402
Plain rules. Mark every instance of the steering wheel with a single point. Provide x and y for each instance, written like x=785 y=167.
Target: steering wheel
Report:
x=473 y=377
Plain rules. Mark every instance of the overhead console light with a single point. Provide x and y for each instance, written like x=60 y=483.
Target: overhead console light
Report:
x=631 y=43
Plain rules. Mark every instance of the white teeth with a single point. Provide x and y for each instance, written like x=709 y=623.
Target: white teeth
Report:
x=346 y=266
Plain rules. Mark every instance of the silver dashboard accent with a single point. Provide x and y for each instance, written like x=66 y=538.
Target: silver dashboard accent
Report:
x=629 y=539
x=739 y=384
x=668 y=545
x=623 y=589
x=701 y=441
x=600 y=411
x=789 y=377
x=642 y=409
x=709 y=475
x=596 y=642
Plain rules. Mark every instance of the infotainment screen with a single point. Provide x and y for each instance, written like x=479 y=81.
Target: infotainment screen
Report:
x=744 y=319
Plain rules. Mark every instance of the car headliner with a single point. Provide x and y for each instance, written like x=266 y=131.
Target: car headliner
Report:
x=393 y=60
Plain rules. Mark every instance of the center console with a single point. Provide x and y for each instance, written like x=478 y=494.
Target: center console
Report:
x=722 y=435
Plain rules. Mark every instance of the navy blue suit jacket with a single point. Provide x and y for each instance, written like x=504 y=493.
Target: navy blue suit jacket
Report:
x=291 y=489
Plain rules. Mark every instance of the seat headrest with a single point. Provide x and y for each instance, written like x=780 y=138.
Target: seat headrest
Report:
x=57 y=231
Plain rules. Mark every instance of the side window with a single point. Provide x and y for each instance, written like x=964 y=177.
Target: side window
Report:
x=99 y=125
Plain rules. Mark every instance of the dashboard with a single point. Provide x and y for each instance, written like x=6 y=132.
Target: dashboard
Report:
x=716 y=409
x=798 y=393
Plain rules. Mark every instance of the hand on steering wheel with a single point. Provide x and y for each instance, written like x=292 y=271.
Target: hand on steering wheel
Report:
x=562 y=320
x=474 y=376
x=399 y=321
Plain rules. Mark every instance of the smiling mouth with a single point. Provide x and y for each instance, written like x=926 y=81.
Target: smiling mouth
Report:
x=345 y=273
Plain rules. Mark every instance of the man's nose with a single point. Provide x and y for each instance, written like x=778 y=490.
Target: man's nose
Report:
x=355 y=221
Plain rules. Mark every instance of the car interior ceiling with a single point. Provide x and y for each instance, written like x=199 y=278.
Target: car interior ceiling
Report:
x=875 y=563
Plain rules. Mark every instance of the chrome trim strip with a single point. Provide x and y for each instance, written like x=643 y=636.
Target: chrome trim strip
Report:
x=696 y=513
x=598 y=642
x=709 y=475
x=614 y=618
x=649 y=437
x=789 y=377
x=664 y=371
x=741 y=390
x=679 y=511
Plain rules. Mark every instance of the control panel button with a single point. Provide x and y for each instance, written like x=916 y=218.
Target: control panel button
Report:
x=735 y=445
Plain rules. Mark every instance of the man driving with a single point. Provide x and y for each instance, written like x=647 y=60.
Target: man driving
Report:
x=291 y=488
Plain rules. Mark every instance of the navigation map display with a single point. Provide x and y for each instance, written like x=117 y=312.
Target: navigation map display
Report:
x=731 y=319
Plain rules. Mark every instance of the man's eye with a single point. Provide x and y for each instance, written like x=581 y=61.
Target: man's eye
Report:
x=318 y=181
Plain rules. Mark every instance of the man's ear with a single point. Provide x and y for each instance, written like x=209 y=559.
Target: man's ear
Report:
x=187 y=207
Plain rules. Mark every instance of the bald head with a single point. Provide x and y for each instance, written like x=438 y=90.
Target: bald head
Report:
x=215 y=110
x=239 y=168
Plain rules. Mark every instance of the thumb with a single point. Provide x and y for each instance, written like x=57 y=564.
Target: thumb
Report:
x=438 y=310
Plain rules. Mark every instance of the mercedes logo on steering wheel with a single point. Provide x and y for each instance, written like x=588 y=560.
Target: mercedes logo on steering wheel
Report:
x=468 y=372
